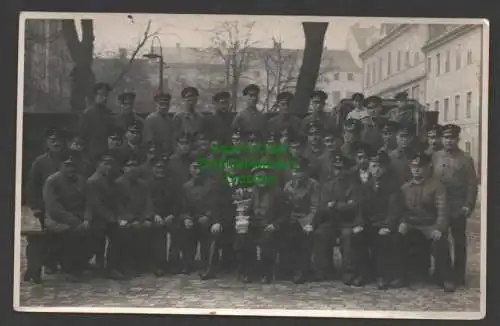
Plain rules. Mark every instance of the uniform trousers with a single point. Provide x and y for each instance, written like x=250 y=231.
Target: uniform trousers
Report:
x=159 y=243
x=440 y=250
x=378 y=259
x=246 y=250
x=297 y=252
x=458 y=228
x=138 y=247
x=199 y=233
x=75 y=250
x=351 y=248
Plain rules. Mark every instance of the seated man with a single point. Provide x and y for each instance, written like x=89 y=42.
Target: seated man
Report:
x=102 y=212
x=202 y=222
x=135 y=210
x=64 y=198
x=164 y=196
x=339 y=216
x=266 y=216
x=424 y=201
x=302 y=195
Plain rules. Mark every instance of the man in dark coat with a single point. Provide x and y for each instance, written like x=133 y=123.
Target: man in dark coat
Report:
x=250 y=119
x=179 y=162
x=127 y=116
x=323 y=120
x=189 y=121
x=388 y=130
x=285 y=119
x=425 y=210
x=405 y=149
x=64 y=198
x=333 y=144
x=314 y=149
x=221 y=120
x=455 y=169
x=434 y=139
x=96 y=122
x=302 y=193
x=77 y=145
x=133 y=145
x=352 y=136
x=158 y=126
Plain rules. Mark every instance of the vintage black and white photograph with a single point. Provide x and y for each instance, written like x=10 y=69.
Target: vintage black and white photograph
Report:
x=251 y=165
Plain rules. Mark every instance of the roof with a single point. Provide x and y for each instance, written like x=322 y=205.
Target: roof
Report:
x=364 y=35
x=342 y=60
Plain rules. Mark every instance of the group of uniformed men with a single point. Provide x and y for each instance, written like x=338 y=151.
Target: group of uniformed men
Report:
x=365 y=185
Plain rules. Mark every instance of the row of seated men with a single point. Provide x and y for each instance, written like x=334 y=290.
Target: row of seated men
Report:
x=346 y=190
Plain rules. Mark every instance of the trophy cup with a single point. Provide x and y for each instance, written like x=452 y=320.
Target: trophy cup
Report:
x=242 y=220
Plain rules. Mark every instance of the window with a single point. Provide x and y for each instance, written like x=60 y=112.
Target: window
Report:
x=416 y=59
x=350 y=76
x=380 y=65
x=436 y=106
x=369 y=75
x=415 y=92
x=336 y=97
x=447 y=62
x=428 y=105
x=468 y=105
x=407 y=59
x=374 y=72
x=457 y=106
x=398 y=61
x=458 y=60
x=469 y=57
x=389 y=70
x=336 y=76
x=446 y=109
x=349 y=94
x=467 y=147
x=438 y=64
x=429 y=65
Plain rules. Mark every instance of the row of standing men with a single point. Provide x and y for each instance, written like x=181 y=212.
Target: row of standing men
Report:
x=128 y=194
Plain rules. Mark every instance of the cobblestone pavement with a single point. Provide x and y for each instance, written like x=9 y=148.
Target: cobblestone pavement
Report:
x=227 y=292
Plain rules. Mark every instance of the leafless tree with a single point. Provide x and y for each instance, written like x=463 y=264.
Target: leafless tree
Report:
x=231 y=42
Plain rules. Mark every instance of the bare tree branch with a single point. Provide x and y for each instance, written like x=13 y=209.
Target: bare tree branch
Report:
x=142 y=42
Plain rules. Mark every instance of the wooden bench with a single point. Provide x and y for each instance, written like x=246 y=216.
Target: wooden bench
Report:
x=36 y=250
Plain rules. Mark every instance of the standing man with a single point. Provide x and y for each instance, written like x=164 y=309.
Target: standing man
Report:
x=221 y=121
x=127 y=115
x=404 y=112
x=333 y=145
x=285 y=118
x=158 y=127
x=434 y=140
x=302 y=193
x=133 y=145
x=250 y=119
x=352 y=136
x=96 y=122
x=388 y=129
x=405 y=137
x=64 y=198
x=455 y=169
x=425 y=210
x=314 y=149
x=188 y=121
x=318 y=115
x=179 y=162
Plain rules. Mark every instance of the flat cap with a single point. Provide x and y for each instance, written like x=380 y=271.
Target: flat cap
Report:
x=364 y=148
x=380 y=157
x=55 y=133
x=407 y=128
x=284 y=97
x=102 y=86
x=338 y=160
x=162 y=97
x=319 y=95
x=126 y=96
x=435 y=129
x=252 y=88
x=389 y=126
x=189 y=91
x=221 y=96
x=420 y=159
x=451 y=130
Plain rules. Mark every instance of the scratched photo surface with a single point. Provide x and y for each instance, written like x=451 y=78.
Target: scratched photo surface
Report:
x=252 y=165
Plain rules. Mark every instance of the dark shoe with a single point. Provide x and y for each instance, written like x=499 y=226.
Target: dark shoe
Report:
x=448 y=287
x=115 y=275
x=266 y=279
x=28 y=277
x=159 y=272
x=246 y=279
x=207 y=276
x=186 y=271
x=397 y=283
x=299 y=278
x=75 y=278
x=50 y=270
x=348 y=279
x=358 y=281
x=382 y=284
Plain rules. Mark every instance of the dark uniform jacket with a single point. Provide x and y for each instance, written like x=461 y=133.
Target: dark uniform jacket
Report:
x=178 y=165
x=220 y=125
x=345 y=194
x=134 y=200
x=165 y=196
x=101 y=203
x=285 y=121
x=188 y=123
x=124 y=120
x=43 y=167
x=371 y=135
x=137 y=150
x=199 y=199
x=303 y=200
x=159 y=128
x=400 y=165
x=381 y=202
x=64 y=201
x=388 y=147
x=250 y=120
x=95 y=125
x=267 y=207
x=313 y=156
x=326 y=121
x=425 y=204
x=456 y=172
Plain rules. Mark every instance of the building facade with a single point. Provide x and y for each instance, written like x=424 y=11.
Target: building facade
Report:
x=453 y=84
x=396 y=62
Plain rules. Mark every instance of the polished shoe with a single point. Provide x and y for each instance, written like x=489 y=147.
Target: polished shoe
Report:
x=246 y=279
x=358 y=281
x=448 y=287
x=348 y=279
x=266 y=279
x=382 y=284
x=207 y=275
x=299 y=278
x=115 y=275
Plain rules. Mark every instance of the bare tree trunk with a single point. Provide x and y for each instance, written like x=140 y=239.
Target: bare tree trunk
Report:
x=82 y=76
x=309 y=70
